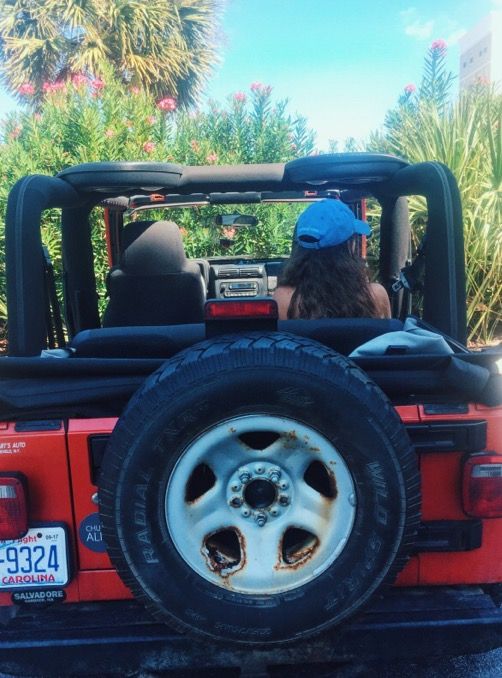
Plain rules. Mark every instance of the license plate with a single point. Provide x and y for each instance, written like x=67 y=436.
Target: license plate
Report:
x=37 y=560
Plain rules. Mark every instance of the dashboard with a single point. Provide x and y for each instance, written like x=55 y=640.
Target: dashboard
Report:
x=231 y=278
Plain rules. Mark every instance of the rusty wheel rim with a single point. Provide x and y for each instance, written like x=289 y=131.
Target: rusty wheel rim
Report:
x=260 y=504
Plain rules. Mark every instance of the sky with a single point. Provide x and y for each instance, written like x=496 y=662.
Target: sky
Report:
x=341 y=63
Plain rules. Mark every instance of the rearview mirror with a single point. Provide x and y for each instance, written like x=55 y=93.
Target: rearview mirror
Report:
x=235 y=220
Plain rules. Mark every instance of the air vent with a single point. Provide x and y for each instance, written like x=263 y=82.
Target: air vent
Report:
x=228 y=272
x=249 y=273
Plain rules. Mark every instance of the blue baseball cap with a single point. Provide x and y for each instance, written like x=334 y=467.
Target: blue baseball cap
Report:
x=328 y=223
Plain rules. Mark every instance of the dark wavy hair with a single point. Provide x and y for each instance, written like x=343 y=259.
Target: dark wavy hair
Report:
x=329 y=283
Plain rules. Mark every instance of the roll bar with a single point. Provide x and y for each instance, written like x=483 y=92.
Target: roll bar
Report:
x=388 y=179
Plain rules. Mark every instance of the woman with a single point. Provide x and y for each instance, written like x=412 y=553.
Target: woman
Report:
x=324 y=277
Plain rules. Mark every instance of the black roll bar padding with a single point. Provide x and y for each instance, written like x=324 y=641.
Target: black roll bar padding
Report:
x=237 y=178
x=81 y=299
x=444 y=285
x=24 y=260
x=395 y=237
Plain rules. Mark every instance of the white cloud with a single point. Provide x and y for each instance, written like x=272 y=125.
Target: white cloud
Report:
x=415 y=26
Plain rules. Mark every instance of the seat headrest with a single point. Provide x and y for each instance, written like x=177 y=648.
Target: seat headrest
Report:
x=132 y=231
x=156 y=250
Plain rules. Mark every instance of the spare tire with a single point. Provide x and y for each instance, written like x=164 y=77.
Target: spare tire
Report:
x=258 y=488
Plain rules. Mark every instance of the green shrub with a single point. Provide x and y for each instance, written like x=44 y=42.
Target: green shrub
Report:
x=94 y=120
x=465 y=135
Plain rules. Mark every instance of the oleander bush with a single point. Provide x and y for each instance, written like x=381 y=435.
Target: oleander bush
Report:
x=84 y=120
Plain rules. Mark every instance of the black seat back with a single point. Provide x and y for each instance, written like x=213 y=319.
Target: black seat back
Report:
x=154 y=284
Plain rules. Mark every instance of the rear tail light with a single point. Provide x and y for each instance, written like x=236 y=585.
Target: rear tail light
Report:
x=241 y=310
x=13 y=507
x=482 y=486
x=224 y=316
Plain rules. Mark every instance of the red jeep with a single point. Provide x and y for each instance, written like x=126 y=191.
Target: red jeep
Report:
x=185 y=462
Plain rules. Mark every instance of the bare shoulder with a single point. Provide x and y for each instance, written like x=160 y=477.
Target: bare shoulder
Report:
x=381 y=298
x=282 y=296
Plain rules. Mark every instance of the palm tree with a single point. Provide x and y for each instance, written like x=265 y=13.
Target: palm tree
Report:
x=165 y=46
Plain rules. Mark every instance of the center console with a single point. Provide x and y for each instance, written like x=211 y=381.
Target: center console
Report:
x=232 y=278
x=238 y=280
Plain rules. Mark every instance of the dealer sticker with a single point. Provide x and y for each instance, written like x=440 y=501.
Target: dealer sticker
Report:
x=39 y=559
x=39 y=597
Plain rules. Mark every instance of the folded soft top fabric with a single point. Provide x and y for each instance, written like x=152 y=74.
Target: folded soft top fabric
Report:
x=412 y=339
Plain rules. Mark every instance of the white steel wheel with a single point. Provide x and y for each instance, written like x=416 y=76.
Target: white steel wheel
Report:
x=260 y=504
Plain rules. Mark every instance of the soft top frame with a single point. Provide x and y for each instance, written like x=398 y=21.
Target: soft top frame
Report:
x=78 y=189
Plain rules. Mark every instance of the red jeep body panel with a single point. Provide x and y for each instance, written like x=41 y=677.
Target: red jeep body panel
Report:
x=58 y=468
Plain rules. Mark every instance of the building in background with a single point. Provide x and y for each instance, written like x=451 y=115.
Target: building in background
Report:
x=481 y=52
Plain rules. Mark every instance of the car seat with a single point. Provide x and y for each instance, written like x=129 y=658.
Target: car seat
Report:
x=154 y=283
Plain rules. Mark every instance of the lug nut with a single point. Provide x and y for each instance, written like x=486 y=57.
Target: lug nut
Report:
x=274 y=511
x=244 y=475
x=274 y=474
x=284 y=485
x=236 y=502
x=259 y=469
x=245 y=513
x=284 y=500
x=235 y=487
x=261 y=519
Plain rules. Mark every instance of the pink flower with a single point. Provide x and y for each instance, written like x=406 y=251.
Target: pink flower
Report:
x=151 y=120
x=149 y=147
x=195 y=146
x=51 y=87
x=260 y=88
x=482 y=80
x=79 y=79
x=439 y=45
x=109 y=133
x=229 y=232
x=16 y=132
x=167 y=104
x=37 y=117
x=135 y=90
x=97 y=84
x=410 y=88
x=183 y=232
x=26 y=89
x=211 y=158
x=240 y=97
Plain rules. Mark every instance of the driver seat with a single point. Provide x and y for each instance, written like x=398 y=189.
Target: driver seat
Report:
x=154 y=283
